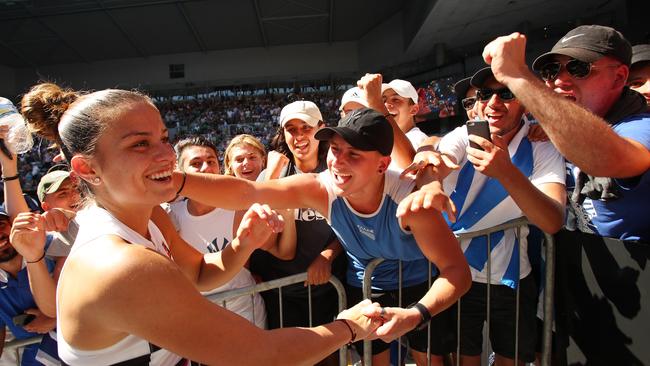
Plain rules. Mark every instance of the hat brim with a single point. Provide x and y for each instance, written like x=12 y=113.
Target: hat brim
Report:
x=461 y=87
x=480 y=77
x=355 y=100
x=577 y=53
x=640 y=53
x=52 y=187
x=349 y=135
x=301 y=116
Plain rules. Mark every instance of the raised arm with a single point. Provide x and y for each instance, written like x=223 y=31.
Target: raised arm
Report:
x=581 y=136
x=403 y=150
x=28 y=238
x=13 y=192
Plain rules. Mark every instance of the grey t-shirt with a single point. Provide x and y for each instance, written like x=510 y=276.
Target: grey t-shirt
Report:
x=62 y=241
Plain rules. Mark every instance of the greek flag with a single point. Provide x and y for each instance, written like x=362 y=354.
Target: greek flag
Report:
x=487 y=198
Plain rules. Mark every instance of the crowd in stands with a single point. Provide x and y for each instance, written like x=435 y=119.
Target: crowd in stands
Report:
x=220 y=118
x=207 y=232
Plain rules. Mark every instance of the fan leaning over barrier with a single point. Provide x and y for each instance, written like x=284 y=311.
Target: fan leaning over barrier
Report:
x=359 y=198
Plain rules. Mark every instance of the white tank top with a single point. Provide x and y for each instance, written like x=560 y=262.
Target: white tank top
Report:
x=211 y=233
x=95 y=222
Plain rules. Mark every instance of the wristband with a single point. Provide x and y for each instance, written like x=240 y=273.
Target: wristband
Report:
x=182 y=184
x=178 y=193
x=353 y=334
x=7 y=179
x=38 y=260
x=424 y=313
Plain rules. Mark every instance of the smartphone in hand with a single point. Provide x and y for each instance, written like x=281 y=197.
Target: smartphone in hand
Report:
x=479 y=127
x=23 y=319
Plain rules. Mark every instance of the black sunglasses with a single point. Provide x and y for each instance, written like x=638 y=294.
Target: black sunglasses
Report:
x=484 y=94
x=576 y=68
x=468 y=103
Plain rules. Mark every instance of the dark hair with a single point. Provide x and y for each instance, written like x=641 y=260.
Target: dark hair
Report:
x=279 y=144
x=75 y=120
x=196 y=140
x=43 y=106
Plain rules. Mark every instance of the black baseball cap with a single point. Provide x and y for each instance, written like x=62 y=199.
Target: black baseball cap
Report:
x=640 y=53
x=589 y=43
x=461 y=87
x=480 y=77
x=365 y=129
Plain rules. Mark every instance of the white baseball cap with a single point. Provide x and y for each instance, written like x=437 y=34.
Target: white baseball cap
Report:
x=403 y=88
x=303 y=110
x=353 y=95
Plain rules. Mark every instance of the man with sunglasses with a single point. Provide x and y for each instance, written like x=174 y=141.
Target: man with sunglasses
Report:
x=593 y=119
x=466 y=93
x=506 y=178
x=602 y=129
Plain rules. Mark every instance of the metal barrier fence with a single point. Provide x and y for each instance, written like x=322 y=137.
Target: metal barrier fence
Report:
x=549 y=278
x=223 y=297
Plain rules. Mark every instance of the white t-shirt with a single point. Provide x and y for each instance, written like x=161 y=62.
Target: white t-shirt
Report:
x=416 y=136
x=210 y=233
x=548 y=167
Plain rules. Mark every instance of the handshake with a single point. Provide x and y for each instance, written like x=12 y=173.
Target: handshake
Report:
x=371 y=321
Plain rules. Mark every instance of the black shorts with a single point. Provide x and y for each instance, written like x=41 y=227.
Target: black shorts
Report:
x=502 y=319
x=442 y=340
x=295 y=306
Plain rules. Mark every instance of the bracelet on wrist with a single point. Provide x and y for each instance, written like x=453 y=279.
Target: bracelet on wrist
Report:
x=425 y=315
x=7 y=179
x=353 y=334
x=38 y=260
x=182 y=185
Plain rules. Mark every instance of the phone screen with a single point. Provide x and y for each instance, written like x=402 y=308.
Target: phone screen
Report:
x=478 y=128
x=23 y=319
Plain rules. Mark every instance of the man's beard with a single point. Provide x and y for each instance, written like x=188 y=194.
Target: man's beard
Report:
x=8 y=254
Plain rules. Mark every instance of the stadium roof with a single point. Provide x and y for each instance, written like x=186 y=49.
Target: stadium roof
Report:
x=48 y=32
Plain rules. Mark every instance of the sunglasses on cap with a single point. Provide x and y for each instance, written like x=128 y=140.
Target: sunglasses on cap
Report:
x=484 y=94
x=577 y=69
x=468 y=103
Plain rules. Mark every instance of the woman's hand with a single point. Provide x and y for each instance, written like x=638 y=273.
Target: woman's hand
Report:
x=28 y=235
x=9 y=164
x=258 y=223
x=41 y=323
x=395 y=322
x=425 y=158
x=363 y=325
x=429 y=196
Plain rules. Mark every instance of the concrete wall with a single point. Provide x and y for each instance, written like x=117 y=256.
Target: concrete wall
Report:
x=7 y=82
x=296 y=62
x=383 y=46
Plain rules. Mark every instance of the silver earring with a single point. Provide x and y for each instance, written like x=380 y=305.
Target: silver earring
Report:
x=96 y=180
